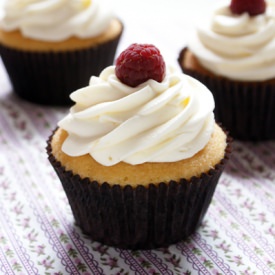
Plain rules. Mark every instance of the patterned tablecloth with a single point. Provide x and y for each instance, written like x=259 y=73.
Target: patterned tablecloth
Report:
x=37 y=230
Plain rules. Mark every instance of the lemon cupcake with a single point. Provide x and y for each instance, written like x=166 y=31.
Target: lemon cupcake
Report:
x=233 y=54
x=51 y=48
x=139 y=154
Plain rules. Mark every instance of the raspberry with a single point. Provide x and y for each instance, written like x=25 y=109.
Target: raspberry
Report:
x=253 y=7
x=138 y=63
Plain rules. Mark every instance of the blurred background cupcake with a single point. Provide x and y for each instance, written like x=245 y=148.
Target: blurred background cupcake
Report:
x=50 y=48
x=233 y=53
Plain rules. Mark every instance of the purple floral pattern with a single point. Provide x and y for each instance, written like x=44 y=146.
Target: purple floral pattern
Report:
x=38 y=234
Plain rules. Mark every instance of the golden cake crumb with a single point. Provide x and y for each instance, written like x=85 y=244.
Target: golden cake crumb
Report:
x=15 y=40
x=146 y=173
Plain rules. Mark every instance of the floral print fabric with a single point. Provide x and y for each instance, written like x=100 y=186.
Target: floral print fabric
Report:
x=38 y=234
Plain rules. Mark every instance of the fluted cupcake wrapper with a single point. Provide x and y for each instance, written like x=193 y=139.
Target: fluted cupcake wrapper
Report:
x=49 y=77
x=246 y=109
x=141 y=217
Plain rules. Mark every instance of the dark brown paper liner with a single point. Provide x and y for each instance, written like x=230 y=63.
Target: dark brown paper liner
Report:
x=139 y=218
x=246 y=109
x=49 y=78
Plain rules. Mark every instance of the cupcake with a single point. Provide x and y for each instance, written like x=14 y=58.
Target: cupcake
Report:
x=139 y=154
x=51 y=48
x=233 y=54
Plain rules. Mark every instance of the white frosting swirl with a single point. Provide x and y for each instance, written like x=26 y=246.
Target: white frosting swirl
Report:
x=240 y=47
x=56 y=20
x=153 y=122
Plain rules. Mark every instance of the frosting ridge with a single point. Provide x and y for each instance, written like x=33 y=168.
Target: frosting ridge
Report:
x=240 y=47
x=56 y=20
x=153 y=122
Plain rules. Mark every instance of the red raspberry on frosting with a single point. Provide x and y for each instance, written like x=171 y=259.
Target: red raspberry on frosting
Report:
x=138 y=63
x=253 y=7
